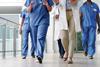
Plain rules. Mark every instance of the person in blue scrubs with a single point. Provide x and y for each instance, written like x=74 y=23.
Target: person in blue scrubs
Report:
x=89 y=16
x=25 y=30
x=39 y=22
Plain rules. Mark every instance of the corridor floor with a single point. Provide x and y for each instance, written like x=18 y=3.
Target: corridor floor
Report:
x=51 y=60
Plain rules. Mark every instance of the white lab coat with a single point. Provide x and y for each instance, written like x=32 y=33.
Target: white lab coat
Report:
x=76 y=15
x=61 y=23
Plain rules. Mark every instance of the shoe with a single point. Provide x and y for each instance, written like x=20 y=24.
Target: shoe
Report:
x=85 y=53
x=61 y=56
x=40 y=60
x=23 y=57
x=33 y=56
x=90 y=57
x=70 y=61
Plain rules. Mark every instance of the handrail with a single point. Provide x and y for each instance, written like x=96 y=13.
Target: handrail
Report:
x=9 y=20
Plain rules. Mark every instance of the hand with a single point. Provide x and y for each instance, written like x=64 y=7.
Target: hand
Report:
x=98 y=31
x=20 y=30
x=56 y=1
x=45 y=3
x=56 y=16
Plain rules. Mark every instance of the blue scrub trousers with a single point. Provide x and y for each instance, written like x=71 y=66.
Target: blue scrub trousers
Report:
x=25 y=33
x=88 y=40
x=39 y=36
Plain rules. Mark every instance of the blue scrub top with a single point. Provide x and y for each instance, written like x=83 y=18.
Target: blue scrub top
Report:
x=25 y=15
x=39 y=14
x=89 y=13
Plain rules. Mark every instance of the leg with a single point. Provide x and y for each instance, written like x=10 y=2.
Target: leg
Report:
x=85 y=40
x=41 y=36
x=34 y=39
x=72 y=36
x=25 y=40
x=32 y=44
x=61 y=49
x=65 y=42
x=91 y=41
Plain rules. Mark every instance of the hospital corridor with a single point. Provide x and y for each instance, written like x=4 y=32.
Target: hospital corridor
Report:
x=29 y=34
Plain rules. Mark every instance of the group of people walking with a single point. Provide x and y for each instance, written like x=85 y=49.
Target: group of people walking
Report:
x=35 y=20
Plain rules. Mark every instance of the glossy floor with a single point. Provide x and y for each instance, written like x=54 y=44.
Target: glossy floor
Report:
x=52 y=60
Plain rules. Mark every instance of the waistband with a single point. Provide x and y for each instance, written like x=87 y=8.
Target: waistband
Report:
x=68 y=9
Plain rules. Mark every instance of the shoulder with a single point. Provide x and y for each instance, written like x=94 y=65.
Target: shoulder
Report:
x=94 y=4
x=84 y=4
x=82 y=7
x=24 y=11
x=95 y=7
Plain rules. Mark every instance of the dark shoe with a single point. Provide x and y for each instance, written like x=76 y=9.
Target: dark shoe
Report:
x=70 y=61
x=23 y=57
x=33 y=56
x=40 y=60
x=85 y=53
x=90 y=57
x=61 y=56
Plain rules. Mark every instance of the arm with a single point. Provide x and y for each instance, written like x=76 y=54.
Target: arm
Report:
x=20 y=27
x=57 y=13
x=81 y=20
x=29 y=4
x=29 y=8
x=49 y=8
x=98 y=22
x=22 y=22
